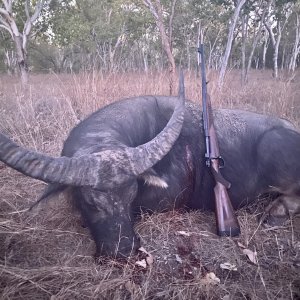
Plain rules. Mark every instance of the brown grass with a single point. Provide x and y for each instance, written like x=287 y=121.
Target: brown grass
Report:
x=46 y=254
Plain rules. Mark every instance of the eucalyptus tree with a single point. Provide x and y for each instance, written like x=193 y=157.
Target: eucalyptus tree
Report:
x=238 y=4
x=18 y=18
x=166 y=31
x=200 y=18
x=278 y=14
x=295 y=24
x=259 y=10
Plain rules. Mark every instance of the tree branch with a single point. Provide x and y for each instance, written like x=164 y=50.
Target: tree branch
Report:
x=27 y=4
x=37 y=10
x=10 y=22
x=4 y=12
x=151 y=7
x=31 y=20
x=8 y=5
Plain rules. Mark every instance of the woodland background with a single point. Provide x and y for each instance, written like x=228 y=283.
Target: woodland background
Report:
x=148 y=35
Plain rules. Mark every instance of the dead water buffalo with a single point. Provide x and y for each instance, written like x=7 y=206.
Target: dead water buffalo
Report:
x=147 y=154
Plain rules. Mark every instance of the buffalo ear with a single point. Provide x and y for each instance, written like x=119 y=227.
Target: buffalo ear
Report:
x=150 y=177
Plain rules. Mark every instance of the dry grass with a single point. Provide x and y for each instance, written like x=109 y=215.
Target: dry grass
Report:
x=46 y=254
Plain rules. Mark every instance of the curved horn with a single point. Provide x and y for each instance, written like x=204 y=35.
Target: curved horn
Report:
x=103 y=169
x=147 y=155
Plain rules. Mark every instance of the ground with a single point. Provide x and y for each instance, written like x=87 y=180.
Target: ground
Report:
x=46 y=253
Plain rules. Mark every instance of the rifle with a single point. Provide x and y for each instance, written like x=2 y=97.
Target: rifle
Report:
x=227 y=223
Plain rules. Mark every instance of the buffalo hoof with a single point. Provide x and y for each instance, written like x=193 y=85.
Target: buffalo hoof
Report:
x=274 y=220
x=280 y=211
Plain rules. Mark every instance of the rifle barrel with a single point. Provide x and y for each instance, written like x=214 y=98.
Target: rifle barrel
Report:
x=227 y=223
x=204 y=104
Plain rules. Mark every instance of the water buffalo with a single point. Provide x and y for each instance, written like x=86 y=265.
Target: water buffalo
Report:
x=147 y=154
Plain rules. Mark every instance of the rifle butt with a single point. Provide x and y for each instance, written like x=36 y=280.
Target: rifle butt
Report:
x=227 y=223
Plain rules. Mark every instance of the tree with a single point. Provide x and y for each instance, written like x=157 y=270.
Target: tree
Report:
x=238 y=7
x=8 y=22
x=296 y=44
x=279 y=12
x=260 y=13
x=166 y=37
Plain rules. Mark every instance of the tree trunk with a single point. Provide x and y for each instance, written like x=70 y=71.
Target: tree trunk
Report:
x=232 y=26
x=211 y=50
x=265 y=48
x=296 y=46
x=275 y=63
x=244 y=37
x=188 y=53
x=21 y=58
x=8 y=22
x=145 y=61
x=276 y=51
x=283 y=57
x=165 y=39
x=256 y=39
x=275 y=40
x=10 y=61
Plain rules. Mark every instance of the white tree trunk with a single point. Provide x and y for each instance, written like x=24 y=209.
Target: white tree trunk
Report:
x=256 y=39
x=283 y=57
x=275 y=33
x=265 y=48
x=296 y=46
x=244 y=38
x=20 y=38
x=226 y=55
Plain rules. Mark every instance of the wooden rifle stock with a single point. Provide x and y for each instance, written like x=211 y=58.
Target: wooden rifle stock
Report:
x=227 y=223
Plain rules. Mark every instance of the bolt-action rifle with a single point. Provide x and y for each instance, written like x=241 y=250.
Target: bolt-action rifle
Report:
x=227 y=223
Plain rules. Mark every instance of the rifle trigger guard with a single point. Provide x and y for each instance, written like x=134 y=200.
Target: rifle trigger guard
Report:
x=220 y=161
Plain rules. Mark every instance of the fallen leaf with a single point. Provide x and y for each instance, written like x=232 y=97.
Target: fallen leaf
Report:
x=142 y=249
x=228 y=266
x=178 y=259
x=150 y=259
x=210 y=278
x=141 y=263
x=251 y=255
x=184 y=233
x=241 y=245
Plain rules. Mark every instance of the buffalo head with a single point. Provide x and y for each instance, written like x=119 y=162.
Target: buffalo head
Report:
x=104 y=182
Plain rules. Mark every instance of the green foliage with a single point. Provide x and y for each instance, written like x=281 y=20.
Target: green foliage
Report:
x=122 y=34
